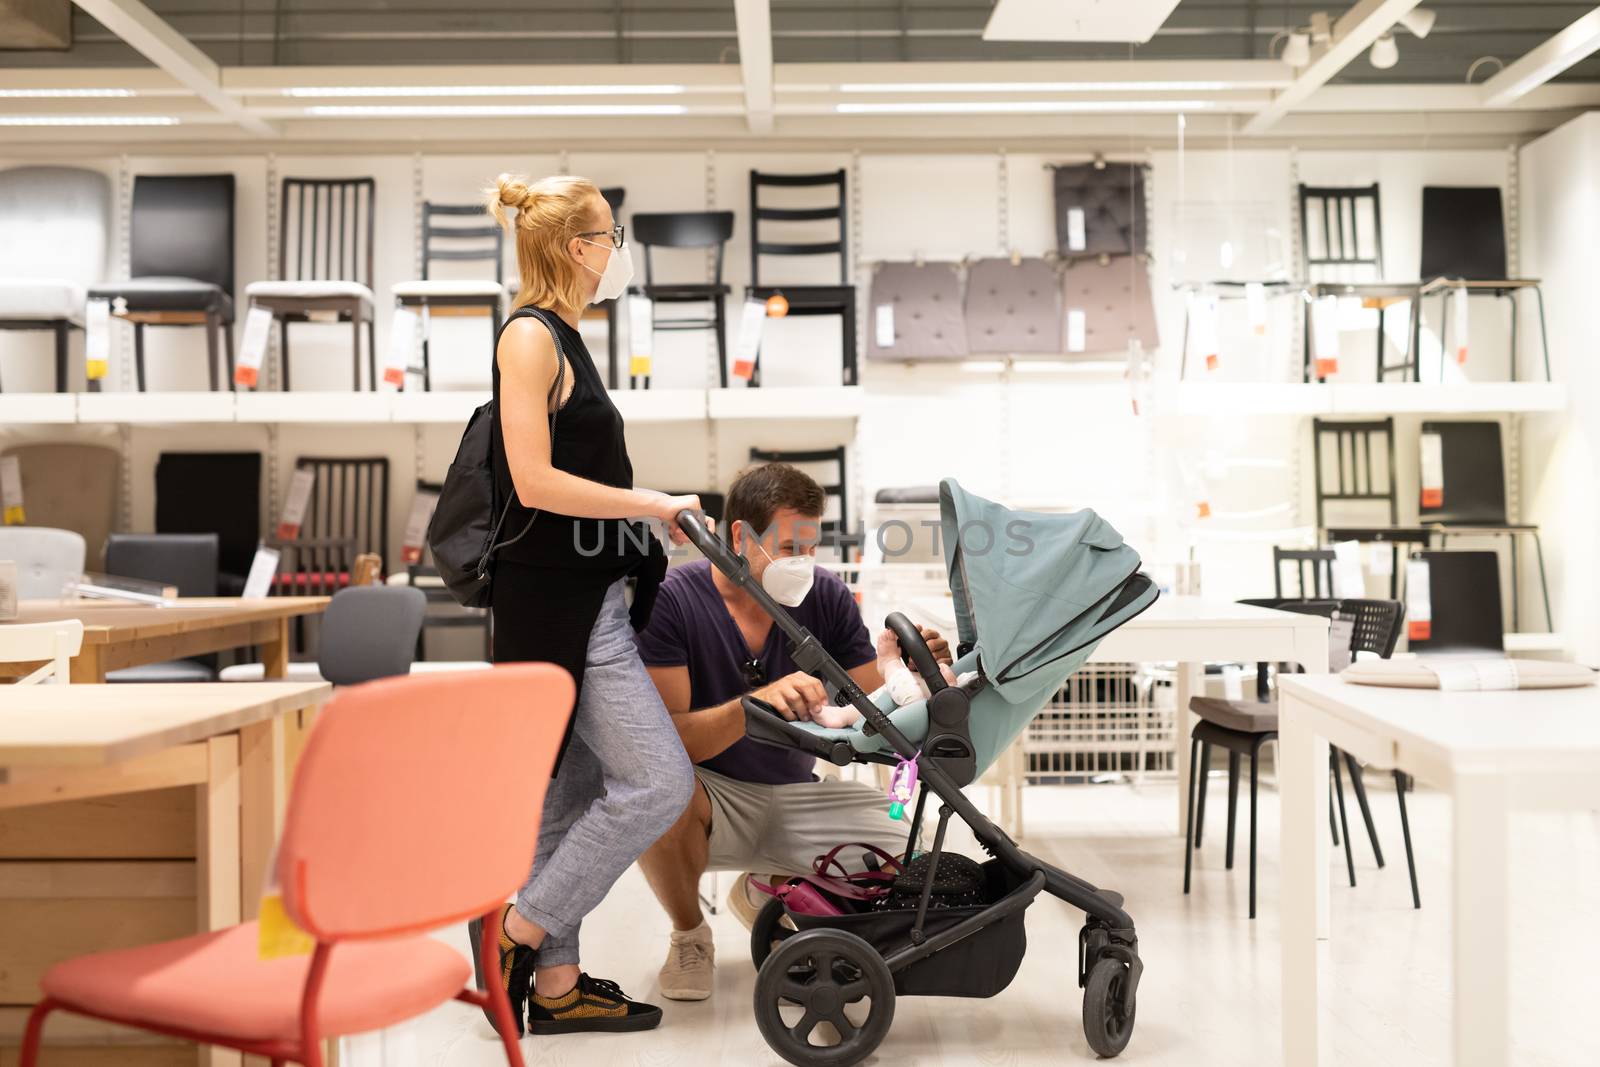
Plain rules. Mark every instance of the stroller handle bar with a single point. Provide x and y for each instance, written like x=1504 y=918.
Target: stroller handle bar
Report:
x=914 y=645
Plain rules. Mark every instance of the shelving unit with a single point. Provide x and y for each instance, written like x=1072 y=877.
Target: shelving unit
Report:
x=39 y=409
x=824 y=402
x=1296 y=398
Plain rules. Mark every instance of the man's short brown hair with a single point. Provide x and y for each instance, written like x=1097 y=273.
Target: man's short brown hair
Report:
x=760 y=492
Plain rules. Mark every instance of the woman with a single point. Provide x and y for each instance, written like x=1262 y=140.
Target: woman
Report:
x=623 y=778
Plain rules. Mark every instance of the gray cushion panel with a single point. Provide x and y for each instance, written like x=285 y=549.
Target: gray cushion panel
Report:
x=929 y=322
x=1013 y=308
x=1247 y=716
x=1115 y=299
x=1112 y=200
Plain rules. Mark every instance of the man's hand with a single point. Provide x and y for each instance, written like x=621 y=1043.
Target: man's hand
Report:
x=936 y=644
x=794 y=696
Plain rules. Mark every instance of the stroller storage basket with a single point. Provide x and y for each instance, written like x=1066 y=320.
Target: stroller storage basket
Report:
x=980 y=965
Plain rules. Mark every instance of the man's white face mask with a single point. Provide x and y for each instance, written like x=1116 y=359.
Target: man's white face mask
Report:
x=787 y=579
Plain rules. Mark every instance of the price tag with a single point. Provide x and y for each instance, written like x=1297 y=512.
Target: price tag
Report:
x=1348 y=581
x=1203 y=328
x=294 y=503
x=641 y=335
x=1202 y=509
x=1432 y=470
x=1255 y=308
x=276 y=934
x=263 y=568
x=422 y=506
x=751 y=326
x=97 y=339
x=11 y=491
x=252 y=347
x=883 y=325
x=1380 y=560
x=1077 y=238
x=402 y=343
x=1232 y=682
x=1341 y=638
x=1460 y=324
x=1325 y=335
x=1419 y=605
x=1077 y=330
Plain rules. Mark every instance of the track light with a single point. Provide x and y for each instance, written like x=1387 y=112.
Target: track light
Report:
x=1385 y=53
x=1419 y=20
x=1297 y=49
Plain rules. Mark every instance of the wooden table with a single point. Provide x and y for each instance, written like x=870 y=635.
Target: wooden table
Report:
x=130 y=814
x=1493 y=752
x=117 y=635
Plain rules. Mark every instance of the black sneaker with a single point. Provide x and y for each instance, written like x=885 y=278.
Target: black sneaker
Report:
x=593 y=1005
x=515 y=966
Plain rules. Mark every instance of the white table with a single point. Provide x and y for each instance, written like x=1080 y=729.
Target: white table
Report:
x=1492 y=752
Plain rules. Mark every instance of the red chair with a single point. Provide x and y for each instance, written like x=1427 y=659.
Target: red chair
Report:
x=415 y=806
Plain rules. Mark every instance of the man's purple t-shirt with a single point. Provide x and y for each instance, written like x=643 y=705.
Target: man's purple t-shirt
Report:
x=690 y=627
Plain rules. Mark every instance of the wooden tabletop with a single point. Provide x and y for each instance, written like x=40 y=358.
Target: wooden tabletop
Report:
x=97 y=725
x=105 y=622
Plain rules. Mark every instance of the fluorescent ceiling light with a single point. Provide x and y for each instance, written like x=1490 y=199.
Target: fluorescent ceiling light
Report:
x=488 y=110
x=1080 y=20
x=63 y=93
x=88 y=120
x=483 y=90
x=1007 y=107
x=1043 y=87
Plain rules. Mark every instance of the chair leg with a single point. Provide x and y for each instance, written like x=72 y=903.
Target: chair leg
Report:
x=1360 y=788
x=499 y=1004
x=283 y=351
x=1333 y=819
x=851 y=374
x=1233 y=804
x=138 y=353
x=211 y=348
x=1544 y=585
x=722 y=339
x=31 y=1036
x=372 y=353
x=1203 y=769
x=1344 y=823
x=1188 y=833
x=227 y=351
x=62 y=330
x=1405 y=830
x=1255 y=774
x=355 y=354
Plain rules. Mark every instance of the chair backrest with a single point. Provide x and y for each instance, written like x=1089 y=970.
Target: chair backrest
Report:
x=1299 y=606
x=1377 y=625
x=181 y=226
x=416 y=802
x=838 y=491
x=832 y=212
x=188 y=561
x=1351 y=476
x=1474 y=474
x=446 y=237
x=350 y=500
x=1464 y=603
x=72 y=485
x=54 y=223
x=1463 y=233
x=213 y=492
x=682 y=229
x=46 y=559
x=1315 y=564
x=1341 y=232
x=325 y=229
x=54 y=642
x=614 y=195
x=370 y=632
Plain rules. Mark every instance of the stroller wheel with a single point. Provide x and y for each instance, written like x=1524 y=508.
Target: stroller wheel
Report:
x=771 y=928
x=1107 y=1026
x=824 y=998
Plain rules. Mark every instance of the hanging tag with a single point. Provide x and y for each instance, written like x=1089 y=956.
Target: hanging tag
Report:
x=294 y=503
x=641 y=335
x=263 y=568
x=1380 y=560
x=1325 y=335
x=277 y=933
x=1077 y=330
x=1348 y=581
x=1077 y=238
x=1341 y=638
x=422 y=506
x=1232 y=682
x=1419 y=604
x=883 y=325
x=253 y=347
x=1203 y=328
x=777 y=306
x=1460 y=324
x=402 y=342
x=1432 y=470
x=1202 y=509
x=11 y=491
x=751 y=326
x=427 y=323
x=1255 y=308
x=97 y=339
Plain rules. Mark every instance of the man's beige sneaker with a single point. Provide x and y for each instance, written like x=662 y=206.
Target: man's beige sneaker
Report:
x=691 y=963
x=744 y=902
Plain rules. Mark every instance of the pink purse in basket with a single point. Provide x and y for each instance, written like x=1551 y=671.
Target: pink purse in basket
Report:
x=824 y=892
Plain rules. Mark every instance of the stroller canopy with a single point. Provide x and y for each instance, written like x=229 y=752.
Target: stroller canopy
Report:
x=1024 y=583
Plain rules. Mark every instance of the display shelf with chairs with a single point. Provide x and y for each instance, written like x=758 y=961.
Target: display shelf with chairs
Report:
x=680 y=230
x=347 y=515
x=459 y=233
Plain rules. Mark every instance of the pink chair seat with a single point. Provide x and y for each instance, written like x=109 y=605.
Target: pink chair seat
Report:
x=215 y=984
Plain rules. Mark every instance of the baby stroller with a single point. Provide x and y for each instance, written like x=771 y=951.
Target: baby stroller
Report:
x=1034 y=593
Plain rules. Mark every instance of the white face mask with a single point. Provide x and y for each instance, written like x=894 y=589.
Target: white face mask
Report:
x=615 y=278
x=787 y=580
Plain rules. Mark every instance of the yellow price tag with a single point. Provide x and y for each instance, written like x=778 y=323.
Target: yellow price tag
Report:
x=279 y=936
x=639 y=366
x=14 y=516
x=97 y=369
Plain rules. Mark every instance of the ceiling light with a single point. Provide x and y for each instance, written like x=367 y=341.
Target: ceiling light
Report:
x=1297 y=49
x=1385 y=53
x=1005 y=107
x=88 y=120
x=63 y=93
x=489 y=110
x=1043 y=87
x=483 y=90
x=1419 y=20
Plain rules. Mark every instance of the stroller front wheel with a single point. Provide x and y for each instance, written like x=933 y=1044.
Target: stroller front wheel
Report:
x=1106 y=1023
x=824 y=998
x=772 y=927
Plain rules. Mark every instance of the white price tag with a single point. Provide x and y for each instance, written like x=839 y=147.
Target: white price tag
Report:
x=1460 y=324
x=11 y=491
x=1203 y=329
x=1348 y=581
x=1341 y=637
x=1432 y=470
x=1325 y=335
x=1380 y=560
x=402 y=343
x=1255 y=308
x=253 y=347
x=295 y=502
x=1232 y=682
x=751 y=326
x=883 y=325
x=1077 y=238
x=1077 y=330
x=422 y=506
x=263 y=568
x=97 y=339
x=1419 y=602
x=641 y=335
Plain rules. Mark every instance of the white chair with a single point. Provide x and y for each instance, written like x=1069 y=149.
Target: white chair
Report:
x=54 y=643
x=47 y=559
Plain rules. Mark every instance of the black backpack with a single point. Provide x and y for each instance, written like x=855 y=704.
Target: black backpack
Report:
x=464 y=533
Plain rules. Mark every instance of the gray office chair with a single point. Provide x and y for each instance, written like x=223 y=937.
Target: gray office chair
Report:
x=370 y=632
x=46 y=559
x=187 y=561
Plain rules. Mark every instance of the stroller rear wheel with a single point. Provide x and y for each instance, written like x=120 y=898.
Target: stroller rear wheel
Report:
x=824 y=998
x=1106 y=1024
x=772 y=927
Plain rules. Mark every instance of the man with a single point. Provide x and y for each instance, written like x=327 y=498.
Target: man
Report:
x=755 y=807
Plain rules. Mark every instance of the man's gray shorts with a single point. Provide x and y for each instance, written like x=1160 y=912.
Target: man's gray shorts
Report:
x=781 y=829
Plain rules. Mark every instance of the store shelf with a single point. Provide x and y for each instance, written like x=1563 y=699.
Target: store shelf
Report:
x=1244 y=398
x=18 y=409
x=1295 y=398
x=315 y=407
x=660 y=405
x=448 y=407
x=165 y=408
x=806 y=403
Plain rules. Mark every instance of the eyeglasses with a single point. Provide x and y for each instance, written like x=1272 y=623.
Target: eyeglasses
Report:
x=755 y=673
x=616 y=233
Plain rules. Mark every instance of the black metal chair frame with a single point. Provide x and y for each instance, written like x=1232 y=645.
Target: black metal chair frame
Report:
x=1353 y=442
x=838 y=299
x=348 y=514
x=1315 y=563
x=686 y=229
x=461 y=243
x=62 y=331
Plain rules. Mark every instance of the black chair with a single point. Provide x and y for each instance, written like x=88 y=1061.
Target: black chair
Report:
x=347 y=515
x=1464 y=603
x=1313 y=570
x=686 y=229
x=446 y=238
x=325 y=264
x=1474 y=499
x=181 y=259
x=835 y=532
x=1356 y=476
x=217 y=493
x=186 y=561
x=838 y=299
x=1341 y=254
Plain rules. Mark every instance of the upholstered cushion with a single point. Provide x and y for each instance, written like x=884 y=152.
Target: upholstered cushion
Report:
x=1246 y=716
x=54 y=223
x=1111 y=198
x=924 y=305
x=72 y=486
x=1013 y=308
x=1114 y=299
x=177 y=670
x=446 y=287
x=908 y=494
x=309 y=290
x=41 y=298
x=167 y=294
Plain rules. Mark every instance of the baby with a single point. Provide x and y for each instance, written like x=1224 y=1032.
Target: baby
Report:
x=905 y=686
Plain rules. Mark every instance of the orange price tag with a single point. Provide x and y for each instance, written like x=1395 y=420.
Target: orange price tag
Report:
x=1203 y=509
x=744 y=368
x=1326 y=368
x=1433 y=498
x=1211 y=361
x=1419 y=629
x=777 y=306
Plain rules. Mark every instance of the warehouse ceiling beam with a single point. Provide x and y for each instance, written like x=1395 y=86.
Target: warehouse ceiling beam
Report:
x=754 y=18
x=1572 y=45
